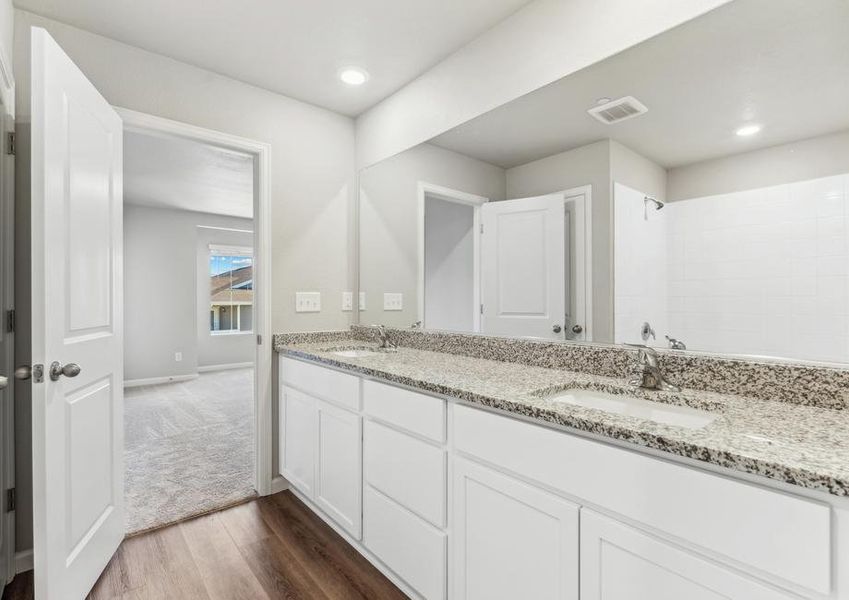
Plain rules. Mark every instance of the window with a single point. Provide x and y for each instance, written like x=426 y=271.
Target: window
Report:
x=231 y=285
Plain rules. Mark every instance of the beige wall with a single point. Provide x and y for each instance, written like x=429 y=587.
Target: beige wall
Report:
x=539 y=44
x=312 y=155
x=797 y=161
x=389 y=221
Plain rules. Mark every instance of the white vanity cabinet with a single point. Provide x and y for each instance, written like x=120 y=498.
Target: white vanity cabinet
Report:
x=511 y=539
x=321 y=439
x=619 y=562
x=458 y=502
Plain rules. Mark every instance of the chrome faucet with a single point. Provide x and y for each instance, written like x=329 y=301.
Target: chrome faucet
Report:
x=650 y=376
x=383 y=336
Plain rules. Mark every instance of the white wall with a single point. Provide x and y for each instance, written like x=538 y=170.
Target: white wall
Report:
x=312 y=155
x=165 y=305
x=449 y=266
x=389 y=221
x=640 y=268
x=585 y=165
x=541 y=43
x=763 y=271
x=797 y=161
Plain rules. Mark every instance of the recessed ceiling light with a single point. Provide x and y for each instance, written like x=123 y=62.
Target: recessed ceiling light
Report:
x=353 y=76
x=748 y=130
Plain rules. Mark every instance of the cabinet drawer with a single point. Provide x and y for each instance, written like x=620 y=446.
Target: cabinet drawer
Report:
x=321 y=382
x=782 y=535
x=421 y=414
x=414 y=550
x=408 y=470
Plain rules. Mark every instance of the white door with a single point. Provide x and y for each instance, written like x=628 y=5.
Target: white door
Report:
x=510 y=539
x=339 y=479
x=297 y=447
x=622 y=563
x=523 y=267
x=77 y=319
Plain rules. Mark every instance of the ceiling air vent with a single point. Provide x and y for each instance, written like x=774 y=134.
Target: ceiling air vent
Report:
x=618 y=110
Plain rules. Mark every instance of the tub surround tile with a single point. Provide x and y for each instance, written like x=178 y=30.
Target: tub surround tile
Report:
x=796 y=443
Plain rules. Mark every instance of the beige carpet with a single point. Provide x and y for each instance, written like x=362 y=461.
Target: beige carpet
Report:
x=189 y=447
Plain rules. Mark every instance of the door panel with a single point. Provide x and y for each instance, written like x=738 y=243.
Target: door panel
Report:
x=298 y=439
x=77 y=317
x=524 y=267
x=339 y=477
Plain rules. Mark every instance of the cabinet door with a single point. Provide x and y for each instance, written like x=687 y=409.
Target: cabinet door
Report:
x=511 y=540
x=339 y=466
x=297 y=448
x=619 y=562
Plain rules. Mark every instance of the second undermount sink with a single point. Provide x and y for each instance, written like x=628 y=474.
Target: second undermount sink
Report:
x=659 y=412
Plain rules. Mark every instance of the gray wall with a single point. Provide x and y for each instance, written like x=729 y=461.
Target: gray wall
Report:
x=389 y=221
x=797 y=161
x=166 y=309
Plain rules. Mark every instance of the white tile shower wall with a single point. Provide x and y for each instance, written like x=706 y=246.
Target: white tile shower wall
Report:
x=640 y=283
x=763 y=271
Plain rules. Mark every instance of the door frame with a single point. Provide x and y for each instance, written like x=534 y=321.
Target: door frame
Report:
x=145 y=123
x=584 y=254
x=440 y=192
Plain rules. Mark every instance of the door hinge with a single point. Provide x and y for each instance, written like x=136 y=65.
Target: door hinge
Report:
x=10 y=143
x=481 y=227
x=11 y=499
x=481 y=308
x=258 y=339
x=10 y=321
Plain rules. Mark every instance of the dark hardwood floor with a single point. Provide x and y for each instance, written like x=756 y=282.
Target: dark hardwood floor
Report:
x=272 y=547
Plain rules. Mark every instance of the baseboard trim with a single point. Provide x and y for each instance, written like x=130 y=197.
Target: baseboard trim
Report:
x=23 y=561
x=225 y=367
x=278 y=484
x=129 y=383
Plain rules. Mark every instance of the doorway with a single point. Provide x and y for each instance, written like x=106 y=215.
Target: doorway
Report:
x=197 y=401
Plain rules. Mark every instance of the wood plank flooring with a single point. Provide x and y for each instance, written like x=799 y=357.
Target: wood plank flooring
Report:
x=269 y=548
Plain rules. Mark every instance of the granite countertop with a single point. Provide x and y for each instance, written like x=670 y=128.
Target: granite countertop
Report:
x=801 y=445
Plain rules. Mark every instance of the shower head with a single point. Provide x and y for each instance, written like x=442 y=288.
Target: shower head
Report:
x=657 y=203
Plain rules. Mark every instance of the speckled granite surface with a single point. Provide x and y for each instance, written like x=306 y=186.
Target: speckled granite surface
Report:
x=793 y=383
x=802 y=445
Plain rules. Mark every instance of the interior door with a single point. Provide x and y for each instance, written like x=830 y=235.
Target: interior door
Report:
x=523 y=266
x=77 y=321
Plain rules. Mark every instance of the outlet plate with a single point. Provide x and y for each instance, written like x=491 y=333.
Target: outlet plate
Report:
x=362 y=303
x=347 y=301
x=393 y=301
x=307 y=302
x=178 y=357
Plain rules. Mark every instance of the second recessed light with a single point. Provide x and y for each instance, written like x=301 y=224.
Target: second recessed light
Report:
x=353 y=76
x=747 y=130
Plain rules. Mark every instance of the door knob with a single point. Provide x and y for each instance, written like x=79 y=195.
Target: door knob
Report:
x=557 y=329
x=577 y=329
x=69 y=370
x=23 y=372
x=4 y=381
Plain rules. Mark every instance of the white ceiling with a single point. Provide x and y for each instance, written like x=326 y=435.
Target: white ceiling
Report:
x=171 y=172
x=781 y=63
x=293 y=47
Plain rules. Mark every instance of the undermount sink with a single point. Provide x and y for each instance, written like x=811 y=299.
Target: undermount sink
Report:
x=354 y=353
x=659 y=412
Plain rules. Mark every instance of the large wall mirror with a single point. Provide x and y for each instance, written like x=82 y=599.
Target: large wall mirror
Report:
x=691 y=192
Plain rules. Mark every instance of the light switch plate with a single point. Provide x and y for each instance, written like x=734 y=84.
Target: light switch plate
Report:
x=307 y=302
x=393 y=301
x=347 y=301
x=362 y=303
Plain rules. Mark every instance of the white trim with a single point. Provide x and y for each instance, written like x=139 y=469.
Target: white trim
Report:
x=23 y=561
x=585 y=241
x=279 y=484
x=439 y=192
x=261 y=151
x=225 y=367
x=131 y=383
x=224 y=250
